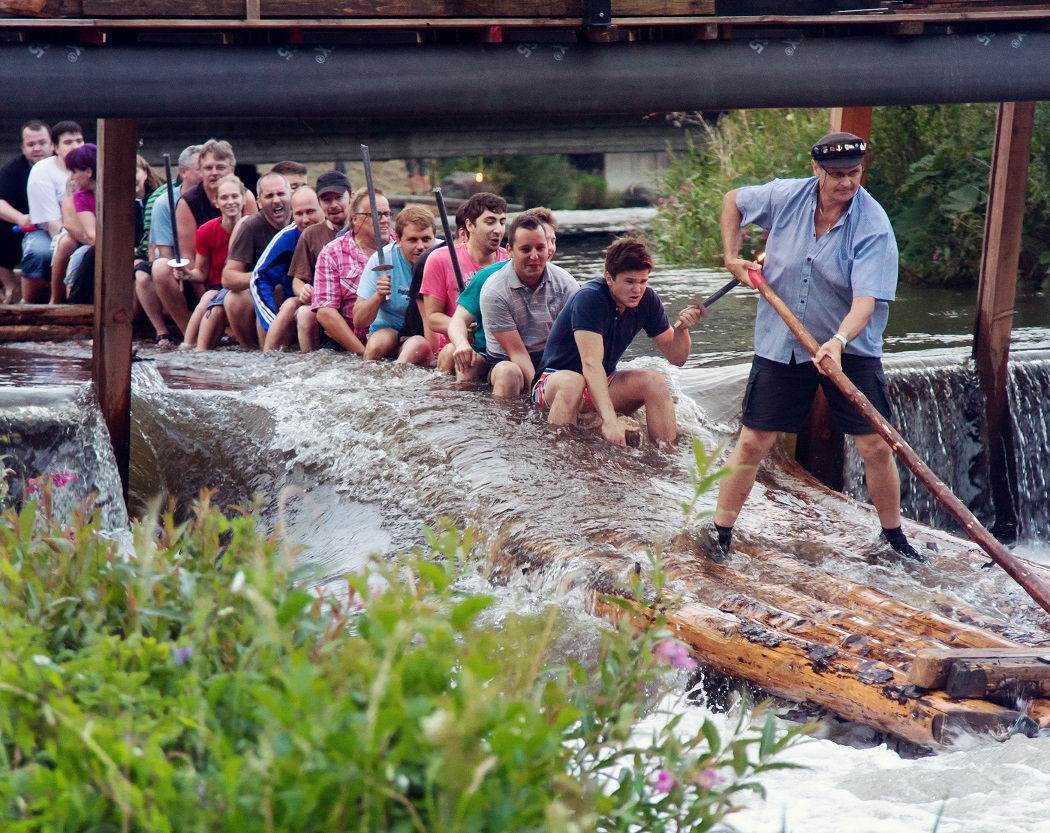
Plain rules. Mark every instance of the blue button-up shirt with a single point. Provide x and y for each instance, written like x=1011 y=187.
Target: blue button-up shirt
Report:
x=818 y=279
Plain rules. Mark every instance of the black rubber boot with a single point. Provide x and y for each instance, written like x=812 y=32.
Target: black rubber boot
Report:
x=896 y=539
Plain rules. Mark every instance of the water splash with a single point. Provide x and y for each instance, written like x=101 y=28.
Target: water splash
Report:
x=1029 y=393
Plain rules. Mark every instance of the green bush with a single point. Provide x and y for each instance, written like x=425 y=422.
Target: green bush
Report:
x=527 y=180
x=196 y=685
x=592 y=191
x=928 y=167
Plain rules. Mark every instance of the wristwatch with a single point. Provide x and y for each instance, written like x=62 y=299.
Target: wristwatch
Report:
x=842 y=338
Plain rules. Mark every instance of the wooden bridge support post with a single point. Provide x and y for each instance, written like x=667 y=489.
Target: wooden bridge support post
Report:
x=115 y=283
x=820 y=449
x=995 y=298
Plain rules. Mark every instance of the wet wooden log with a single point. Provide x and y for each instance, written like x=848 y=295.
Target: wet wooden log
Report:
x=43 y=332
x=61 y=315
x=983 y=673
x=865 y=691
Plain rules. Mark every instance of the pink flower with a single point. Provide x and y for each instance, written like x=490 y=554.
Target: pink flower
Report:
x=705 y=779
x=63 y=478
x=664 y=781
x=32 y=487
x=675 y=654
x=747 y=237
x=936 y=255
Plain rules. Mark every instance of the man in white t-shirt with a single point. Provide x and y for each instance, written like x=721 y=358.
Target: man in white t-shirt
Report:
x=46 y=189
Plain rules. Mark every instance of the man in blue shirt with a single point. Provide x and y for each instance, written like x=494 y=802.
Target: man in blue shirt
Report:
x=592 y=331
x=831 y=255
x=383 y=296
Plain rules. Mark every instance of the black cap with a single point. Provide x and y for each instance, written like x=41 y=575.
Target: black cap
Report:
x=333 y=182
x=839 y=151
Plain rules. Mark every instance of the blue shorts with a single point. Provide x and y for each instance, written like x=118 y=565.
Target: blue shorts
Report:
x=218 y=299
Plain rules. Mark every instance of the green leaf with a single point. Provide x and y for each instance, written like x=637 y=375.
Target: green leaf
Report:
x=298 y=600
x=465 y=612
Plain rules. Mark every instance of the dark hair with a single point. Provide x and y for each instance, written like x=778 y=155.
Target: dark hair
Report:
x=461 y=218
x=544 y=215
x=627 y=254
x=527 y=222
x=152 y=180
x=64 y=127
x=83 y=158
x=289 y=168
x=480 y=203
x=35 y=124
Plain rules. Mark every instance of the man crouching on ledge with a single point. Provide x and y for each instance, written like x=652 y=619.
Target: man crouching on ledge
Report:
x=578 y=370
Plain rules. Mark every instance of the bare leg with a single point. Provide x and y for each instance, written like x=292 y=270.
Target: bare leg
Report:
x=240 y=312
x=12 y=289
x=169 y=290
x=212 y=327
x=563 y=392
x=884 y=483
x=307 y=329
x=416 y=350
x=381 y=344
x=507 y=380
x=631 y=389
x=147 y=296
x=751 y=449
x=193 y=329
x=282 y=328
x=65 y=246
x=446 y=362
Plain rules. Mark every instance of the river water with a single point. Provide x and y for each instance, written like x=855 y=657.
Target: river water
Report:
x=353 y=457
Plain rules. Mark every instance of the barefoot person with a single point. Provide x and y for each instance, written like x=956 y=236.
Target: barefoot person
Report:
x=833 y=257
x=382 y=297
x=212 y=247
x=593 y=331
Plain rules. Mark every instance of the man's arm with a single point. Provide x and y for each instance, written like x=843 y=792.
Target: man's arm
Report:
x=335 y=325
x=674 y=342
x=10 y=214
x=851 y=326
x=371 y=293
x=459 y=334
x=732 y=237
x=236 y=274
x=434 y=314
x=592 y=351
x=187 y=229
x=514 y=347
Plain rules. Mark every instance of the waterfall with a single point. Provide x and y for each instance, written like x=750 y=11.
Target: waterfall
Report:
x=938 y=407
x=1029 y=392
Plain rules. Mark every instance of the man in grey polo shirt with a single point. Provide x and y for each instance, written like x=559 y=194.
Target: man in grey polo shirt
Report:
x=518 y=306
x=831 y=255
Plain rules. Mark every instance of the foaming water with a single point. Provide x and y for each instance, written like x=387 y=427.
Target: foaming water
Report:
x=1029 y=391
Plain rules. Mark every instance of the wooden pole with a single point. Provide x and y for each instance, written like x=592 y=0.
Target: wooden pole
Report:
x=115 y=283
x=995 y=298
x=820 y=449
x=1015 y=567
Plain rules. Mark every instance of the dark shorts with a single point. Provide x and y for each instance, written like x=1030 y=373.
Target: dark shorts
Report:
x=778 y=396
x=10 y=249
x=220 y=296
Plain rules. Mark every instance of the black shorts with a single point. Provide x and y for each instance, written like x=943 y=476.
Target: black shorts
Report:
x=10 y=249
x=779 y=396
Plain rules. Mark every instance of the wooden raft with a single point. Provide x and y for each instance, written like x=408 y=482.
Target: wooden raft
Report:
x=44 y=322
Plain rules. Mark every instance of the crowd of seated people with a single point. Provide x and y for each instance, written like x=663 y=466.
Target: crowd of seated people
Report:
x=292 y=265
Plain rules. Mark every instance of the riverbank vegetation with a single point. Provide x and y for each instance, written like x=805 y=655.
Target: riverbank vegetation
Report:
x=190 y=681
x=928 y=167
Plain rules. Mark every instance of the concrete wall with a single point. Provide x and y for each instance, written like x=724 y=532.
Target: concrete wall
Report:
x=622 y=170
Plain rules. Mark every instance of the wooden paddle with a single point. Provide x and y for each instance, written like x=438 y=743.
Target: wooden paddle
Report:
x=1017 y=569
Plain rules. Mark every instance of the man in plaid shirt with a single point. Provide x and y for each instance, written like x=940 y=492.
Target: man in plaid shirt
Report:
x=339 y=269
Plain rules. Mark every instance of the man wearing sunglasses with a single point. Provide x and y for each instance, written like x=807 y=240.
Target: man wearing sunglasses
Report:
x=832 y=256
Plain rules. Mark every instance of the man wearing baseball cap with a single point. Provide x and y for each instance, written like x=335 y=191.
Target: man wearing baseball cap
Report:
x=831 y=255
x=295 y=319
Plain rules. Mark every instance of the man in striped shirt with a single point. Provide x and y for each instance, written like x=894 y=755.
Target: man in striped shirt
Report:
x=270 y=282
x=338 y=273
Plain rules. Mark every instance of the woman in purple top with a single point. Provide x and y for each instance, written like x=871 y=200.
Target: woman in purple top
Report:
x=78 y=219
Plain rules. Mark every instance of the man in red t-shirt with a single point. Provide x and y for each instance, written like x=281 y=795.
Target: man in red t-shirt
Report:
x=485 y=216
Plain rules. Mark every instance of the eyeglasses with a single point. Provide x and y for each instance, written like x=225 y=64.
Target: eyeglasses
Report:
x=369 y=214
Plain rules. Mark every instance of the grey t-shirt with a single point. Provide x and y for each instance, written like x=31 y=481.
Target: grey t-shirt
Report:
x=507 y=304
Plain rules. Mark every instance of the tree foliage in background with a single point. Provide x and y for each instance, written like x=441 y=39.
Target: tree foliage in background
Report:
x=928 y=167
x=197 y=686
x=548 y=180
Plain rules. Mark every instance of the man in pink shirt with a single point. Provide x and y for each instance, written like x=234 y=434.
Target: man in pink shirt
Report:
x=485 y=216
x=338 y=272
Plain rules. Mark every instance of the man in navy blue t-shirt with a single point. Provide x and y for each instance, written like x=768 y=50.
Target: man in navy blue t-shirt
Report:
x=578 y=369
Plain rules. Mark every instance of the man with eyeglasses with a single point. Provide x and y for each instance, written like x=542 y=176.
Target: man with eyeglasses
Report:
x=338 y=273
x=832 y=256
